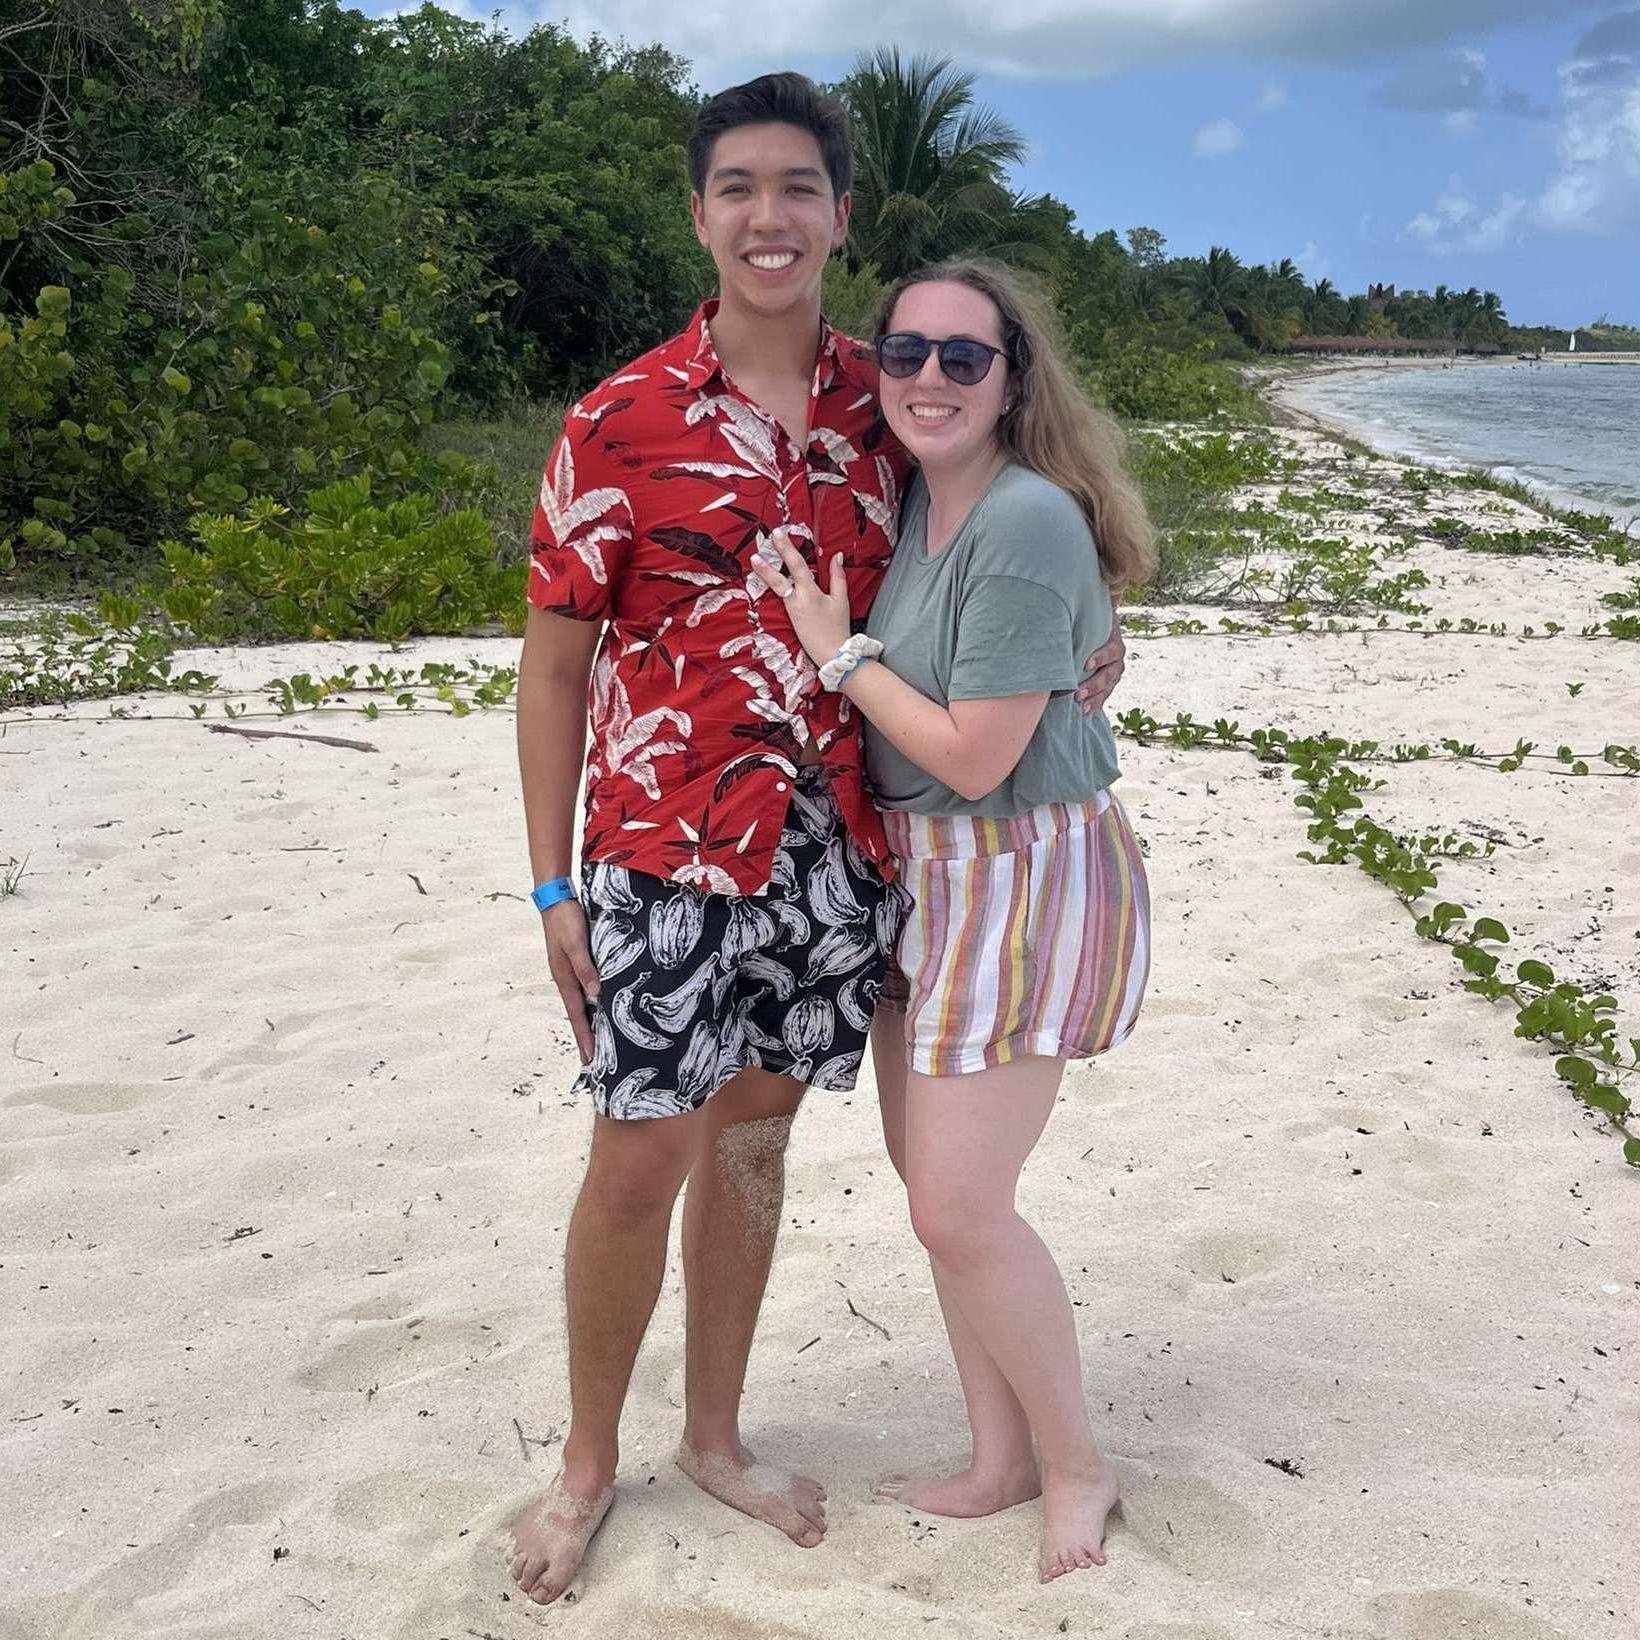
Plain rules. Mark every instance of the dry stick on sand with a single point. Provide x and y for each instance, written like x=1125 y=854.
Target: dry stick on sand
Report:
x=860 y=1315
x=287 y=734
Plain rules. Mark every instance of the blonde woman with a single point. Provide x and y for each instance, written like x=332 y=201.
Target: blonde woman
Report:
x=1029 y=941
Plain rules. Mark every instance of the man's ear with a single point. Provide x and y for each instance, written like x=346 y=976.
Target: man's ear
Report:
x=839 y=235
x=697 y=210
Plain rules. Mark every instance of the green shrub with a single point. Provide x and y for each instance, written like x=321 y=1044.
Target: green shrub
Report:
x=348 y=569
x=508 y=452
x=297 y=353
x=1141 y=382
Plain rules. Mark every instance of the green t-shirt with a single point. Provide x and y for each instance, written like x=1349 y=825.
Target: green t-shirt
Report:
x=1014 y=605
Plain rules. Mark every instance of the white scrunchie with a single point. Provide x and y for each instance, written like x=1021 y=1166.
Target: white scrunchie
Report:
x=855 y=651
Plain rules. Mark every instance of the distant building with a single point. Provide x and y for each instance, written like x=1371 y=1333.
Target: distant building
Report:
x=1379 y=295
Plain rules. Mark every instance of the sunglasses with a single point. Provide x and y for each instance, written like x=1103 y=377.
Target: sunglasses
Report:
x=962 y=361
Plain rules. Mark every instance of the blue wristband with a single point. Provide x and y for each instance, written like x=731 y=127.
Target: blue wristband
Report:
x=551 y=893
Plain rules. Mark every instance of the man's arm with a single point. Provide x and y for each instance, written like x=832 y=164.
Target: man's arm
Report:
x=1103 y=668
x=552 y=729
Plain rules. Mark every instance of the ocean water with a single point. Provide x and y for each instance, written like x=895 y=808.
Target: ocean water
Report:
x=1571 y=431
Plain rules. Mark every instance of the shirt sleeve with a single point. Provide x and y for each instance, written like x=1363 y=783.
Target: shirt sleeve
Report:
x=1014 y=637
x=582 y=534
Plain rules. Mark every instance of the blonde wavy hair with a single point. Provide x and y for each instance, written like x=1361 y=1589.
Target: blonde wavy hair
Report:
x=1052 y=426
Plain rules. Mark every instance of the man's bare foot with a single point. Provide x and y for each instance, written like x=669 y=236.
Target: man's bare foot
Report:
x=965 y=1495
x=793 y=1503
x=1074 y=1508
x=550 y=1535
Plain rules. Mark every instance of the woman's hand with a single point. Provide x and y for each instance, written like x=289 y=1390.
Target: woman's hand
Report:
x=820 y=619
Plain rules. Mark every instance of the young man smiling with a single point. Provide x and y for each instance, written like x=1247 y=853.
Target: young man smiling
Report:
x=728 y=941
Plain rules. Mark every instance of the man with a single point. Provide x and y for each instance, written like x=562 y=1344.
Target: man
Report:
x=737 y=919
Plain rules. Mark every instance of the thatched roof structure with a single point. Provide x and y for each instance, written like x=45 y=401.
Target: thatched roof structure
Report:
x=1436 y=345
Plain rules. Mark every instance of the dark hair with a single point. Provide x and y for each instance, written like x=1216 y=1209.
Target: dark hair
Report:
x=776 y=99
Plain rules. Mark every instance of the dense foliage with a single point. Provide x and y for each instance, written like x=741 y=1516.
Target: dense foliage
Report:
x=251 y=249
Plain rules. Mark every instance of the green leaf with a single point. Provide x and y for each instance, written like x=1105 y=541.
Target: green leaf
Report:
x=1631 y=1152
x=1489 y=928
x=1579 y=1072
x=1533 y=972
x=1606 y=1100
x=176 y=381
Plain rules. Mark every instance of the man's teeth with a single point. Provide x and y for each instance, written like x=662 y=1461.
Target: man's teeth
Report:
x=772 y=261
x=932 y=413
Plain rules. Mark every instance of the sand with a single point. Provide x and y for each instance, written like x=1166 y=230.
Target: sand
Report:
x=287 y=1151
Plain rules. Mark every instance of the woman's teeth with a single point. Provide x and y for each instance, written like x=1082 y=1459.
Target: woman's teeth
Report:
x=931 y=414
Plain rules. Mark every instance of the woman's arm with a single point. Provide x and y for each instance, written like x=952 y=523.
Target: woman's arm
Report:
x=972 y=746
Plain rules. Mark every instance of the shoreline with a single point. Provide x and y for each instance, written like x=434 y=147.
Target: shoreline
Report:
x=1278 y=388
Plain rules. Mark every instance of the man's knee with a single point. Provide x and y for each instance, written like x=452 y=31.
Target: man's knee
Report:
x=638 y=1167
x=753 y=1095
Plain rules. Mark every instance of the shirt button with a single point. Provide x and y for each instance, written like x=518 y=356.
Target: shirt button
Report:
x=780 y=785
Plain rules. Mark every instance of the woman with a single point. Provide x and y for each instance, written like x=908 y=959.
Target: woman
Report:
x=1029 y=941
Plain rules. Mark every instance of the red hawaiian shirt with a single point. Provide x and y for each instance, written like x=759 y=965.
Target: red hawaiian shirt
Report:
x=665 y=481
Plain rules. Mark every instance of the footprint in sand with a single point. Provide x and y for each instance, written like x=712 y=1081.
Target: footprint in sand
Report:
x=1176 y=1631
x=388 y=1354
x=220 y=1530
x=1190 y=1523
x=1422 y=1169
x=1237 y=1254
x=88 y=1098
x=406 y=1505
x=1442 y=1614
x=374 y=1309
x=13 y=1163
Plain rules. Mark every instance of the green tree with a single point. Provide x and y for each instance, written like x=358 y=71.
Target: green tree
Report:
x=931 y=169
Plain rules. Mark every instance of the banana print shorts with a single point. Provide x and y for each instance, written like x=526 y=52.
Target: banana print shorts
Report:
x=695 y=987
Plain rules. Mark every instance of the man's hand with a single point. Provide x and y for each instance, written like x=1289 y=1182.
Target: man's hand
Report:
x=570 y=958
x=1104 y=671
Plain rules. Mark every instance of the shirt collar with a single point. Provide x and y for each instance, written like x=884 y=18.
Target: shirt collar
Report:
x=697 y=361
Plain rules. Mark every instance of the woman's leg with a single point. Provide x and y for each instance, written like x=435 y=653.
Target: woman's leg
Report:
x=1001 y=1470
x=966 y=1139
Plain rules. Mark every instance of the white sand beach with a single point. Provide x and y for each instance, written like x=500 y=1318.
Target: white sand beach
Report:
x=287 y=1152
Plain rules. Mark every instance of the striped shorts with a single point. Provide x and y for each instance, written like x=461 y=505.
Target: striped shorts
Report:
x=1030 y=935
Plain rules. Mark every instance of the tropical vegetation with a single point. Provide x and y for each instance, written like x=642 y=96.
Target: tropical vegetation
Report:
x=251 y=250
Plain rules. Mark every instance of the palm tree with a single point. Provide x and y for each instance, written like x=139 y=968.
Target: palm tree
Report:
x=1219 y=284
x=1287 y=283
x=1325 y=312
x=931 y=169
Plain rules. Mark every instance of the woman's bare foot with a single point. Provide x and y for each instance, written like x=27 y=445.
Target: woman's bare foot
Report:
x=967 y=1494
x=793 y=1503
x=1074 y=1508
x=550 y=1535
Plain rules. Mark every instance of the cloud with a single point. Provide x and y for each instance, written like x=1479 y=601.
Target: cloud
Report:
x=1596 y=185
x=1068 y=39
x=1312 y=261
x=1460 y=122
x=1455 y=83
x=1217 y=138
x=1271 y=98
x=1456 y=224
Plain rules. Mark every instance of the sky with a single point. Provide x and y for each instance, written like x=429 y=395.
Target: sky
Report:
x=1493 y=143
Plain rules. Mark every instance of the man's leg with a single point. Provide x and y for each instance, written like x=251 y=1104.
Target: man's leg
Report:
x=731 y=1217
x=613 y=1268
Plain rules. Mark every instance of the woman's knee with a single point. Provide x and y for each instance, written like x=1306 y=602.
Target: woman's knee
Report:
x=955 y=1230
